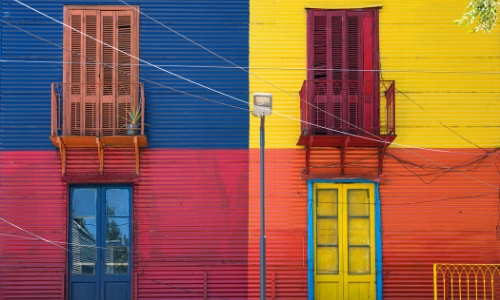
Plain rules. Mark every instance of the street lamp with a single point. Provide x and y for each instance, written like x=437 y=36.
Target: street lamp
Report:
x=262 y=107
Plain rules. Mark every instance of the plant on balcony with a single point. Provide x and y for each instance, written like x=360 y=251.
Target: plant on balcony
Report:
x=133 y=121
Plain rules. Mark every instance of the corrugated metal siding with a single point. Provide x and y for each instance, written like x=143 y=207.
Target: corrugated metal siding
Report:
x=33 y=198
x=190 y=221
x=434 y=62
x=191 y=216
x=450 y=218
x=177 y=120
x=437 y=216
x=286 y=224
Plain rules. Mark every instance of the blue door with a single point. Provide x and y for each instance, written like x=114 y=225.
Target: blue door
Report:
x=100 y=243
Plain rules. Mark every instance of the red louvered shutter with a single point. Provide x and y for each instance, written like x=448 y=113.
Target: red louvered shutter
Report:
x=319 y=87
x=342 y=44
x=354 y=64
x=371 y=105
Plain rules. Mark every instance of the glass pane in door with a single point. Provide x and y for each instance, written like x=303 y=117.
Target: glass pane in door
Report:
x=117 y=231
x=83 y=227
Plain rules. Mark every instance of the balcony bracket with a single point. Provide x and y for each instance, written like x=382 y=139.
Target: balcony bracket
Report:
x=62 y=152
x=381 y=155
x=100 y=153
x=308 y=153
x=343 y=151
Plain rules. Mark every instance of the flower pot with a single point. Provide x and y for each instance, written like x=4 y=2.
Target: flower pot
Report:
x=132 y=129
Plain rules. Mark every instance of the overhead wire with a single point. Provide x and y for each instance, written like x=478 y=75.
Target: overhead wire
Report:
x=266 y=68
x=116 y=69
x=376 y=139
x=181 y=77
x=277 y=87
x=40 y=238
x=237 y=99
x=234 y=98
x=264 y=80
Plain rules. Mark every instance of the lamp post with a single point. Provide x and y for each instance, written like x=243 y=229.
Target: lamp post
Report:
x=262 y=107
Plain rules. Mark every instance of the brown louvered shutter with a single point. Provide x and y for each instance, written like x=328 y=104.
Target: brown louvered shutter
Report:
x=98 y=79
x=80 y=73
x=72 y=73
x=91 y=80
x=119 y=94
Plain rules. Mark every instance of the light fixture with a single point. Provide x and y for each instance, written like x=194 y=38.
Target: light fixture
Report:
x=262 y=104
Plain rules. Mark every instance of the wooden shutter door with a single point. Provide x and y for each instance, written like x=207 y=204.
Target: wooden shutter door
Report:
x=371 y=106
x=337 y=66
x=326 y=80
x=119 y=93
x=353 y=111
x=80 y=73
x=342 y=45
x=318 y=84
x=91 y=74
x=108 y=76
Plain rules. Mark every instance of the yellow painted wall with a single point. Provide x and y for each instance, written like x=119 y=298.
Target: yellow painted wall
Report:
x=437 y=64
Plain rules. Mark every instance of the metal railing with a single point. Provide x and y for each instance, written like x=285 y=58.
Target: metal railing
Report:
x=466 y=281
x=106 y=109
x=332 y=107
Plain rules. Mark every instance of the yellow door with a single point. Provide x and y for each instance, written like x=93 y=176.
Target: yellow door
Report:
x=344 y=229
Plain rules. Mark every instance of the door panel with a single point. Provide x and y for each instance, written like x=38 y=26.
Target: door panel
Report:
x=83 y=291
x=344 y=241
x=100 y=242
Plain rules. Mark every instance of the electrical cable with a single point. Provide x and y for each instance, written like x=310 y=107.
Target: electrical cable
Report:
x=273 y=85
x=232 y=97
x=377 y=138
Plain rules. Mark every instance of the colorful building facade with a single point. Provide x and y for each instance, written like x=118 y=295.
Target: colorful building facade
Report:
x=380 y=153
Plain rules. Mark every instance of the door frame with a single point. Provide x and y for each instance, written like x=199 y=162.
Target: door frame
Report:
x=311 y=233
x=69 y=257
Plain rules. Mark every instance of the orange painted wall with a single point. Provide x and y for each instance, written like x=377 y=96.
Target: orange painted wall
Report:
x=429 y=214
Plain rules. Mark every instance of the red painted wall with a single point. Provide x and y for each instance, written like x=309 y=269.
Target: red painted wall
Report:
x=190 y=221
x=196 y=219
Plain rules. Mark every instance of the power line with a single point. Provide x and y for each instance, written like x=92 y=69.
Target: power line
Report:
x=258 y=68
x=239 y=100
x=376 y=138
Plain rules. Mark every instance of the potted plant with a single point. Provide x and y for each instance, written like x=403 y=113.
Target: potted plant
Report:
x=133 y=121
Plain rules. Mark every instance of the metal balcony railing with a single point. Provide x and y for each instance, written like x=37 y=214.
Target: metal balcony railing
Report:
x=466 y=281
x=357 y=107
x=110 y=109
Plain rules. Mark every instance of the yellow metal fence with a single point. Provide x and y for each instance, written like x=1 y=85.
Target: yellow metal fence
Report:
x=466 y=281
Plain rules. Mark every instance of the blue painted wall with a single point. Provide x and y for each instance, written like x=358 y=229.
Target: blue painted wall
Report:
x=177 y=120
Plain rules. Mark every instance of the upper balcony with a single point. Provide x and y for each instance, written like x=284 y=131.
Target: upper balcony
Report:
x=337 y=113
x=98 y=116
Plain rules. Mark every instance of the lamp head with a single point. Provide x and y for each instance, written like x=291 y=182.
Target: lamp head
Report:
x=262 y=104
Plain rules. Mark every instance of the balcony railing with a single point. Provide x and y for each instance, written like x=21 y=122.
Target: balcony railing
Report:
x=98 y=116
x=97 y=109
x=466 y=281
x=348 y=107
